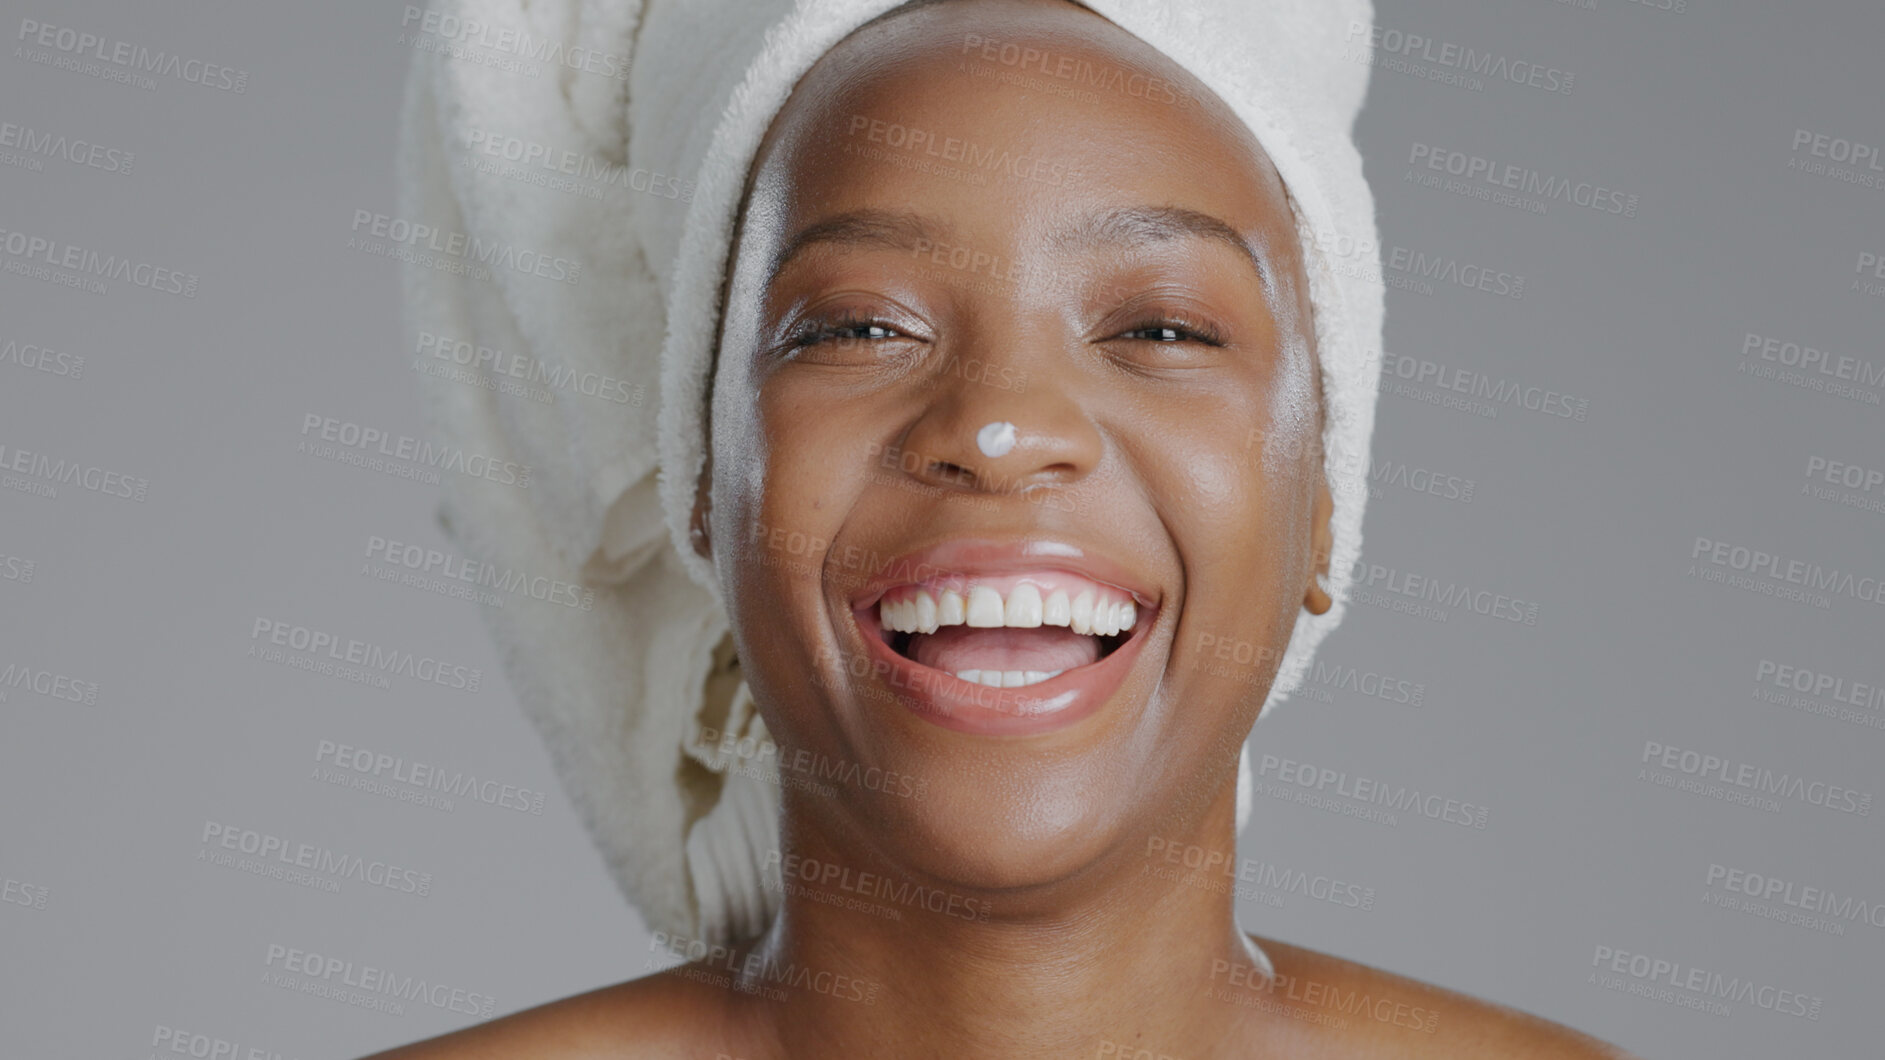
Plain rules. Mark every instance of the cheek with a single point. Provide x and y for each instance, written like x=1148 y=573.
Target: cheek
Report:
x=1292 y=415
x=1237 y=496
x=1242 y=462
x=811 y=453
x=792 y=472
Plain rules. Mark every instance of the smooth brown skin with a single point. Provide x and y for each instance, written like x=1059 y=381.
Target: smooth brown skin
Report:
x=1134 y=441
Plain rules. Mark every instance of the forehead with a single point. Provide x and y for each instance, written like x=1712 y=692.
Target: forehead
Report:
x=1013 y=117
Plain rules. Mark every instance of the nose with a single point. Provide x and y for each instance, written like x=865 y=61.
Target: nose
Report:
x=958 y=441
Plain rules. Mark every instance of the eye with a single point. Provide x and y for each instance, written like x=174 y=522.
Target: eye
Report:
x=844 y=329
x=1169 y=332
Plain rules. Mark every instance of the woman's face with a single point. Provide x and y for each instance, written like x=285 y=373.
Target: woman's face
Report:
x=987 y=212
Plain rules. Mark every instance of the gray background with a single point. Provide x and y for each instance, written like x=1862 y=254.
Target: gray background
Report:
x=102 y=806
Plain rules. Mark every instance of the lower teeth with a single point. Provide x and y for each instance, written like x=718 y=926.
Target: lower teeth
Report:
x=1007 y=678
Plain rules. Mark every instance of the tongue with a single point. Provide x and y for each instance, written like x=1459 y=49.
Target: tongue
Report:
x=1046 y=648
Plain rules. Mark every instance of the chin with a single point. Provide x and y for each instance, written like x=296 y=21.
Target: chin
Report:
x=974 y=833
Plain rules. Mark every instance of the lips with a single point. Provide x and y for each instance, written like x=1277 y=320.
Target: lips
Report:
x=939 y=696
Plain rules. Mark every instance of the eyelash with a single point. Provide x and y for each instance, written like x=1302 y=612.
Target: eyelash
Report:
x=1189 y=331
x=817 y=332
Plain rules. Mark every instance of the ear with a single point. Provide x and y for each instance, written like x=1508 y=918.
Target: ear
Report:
x=703 y=507
x=1321 y=543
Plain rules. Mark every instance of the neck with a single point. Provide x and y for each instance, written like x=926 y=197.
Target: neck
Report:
x=1136 y=953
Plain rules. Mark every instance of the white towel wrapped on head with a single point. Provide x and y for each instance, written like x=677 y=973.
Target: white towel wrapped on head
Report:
x=637 y=698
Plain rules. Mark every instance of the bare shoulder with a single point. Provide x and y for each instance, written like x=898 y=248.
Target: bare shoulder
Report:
x=1378 y=1013
x=661 y=1016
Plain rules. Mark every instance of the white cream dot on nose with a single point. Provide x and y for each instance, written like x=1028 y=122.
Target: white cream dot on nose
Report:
x=996 y=439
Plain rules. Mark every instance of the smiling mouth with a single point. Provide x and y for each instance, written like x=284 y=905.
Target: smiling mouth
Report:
x=1007 y=632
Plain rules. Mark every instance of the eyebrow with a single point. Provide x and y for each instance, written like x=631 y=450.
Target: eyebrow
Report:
x=861 y=228
x=1143 y=224
x=892 y=230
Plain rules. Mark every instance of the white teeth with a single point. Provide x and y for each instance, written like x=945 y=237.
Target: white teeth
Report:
x=949 y=610
x=1090 y=612
x=985 y=608
x=1080 y=613
x=1057 y=611
x=1024 y=607
x=1007 y=678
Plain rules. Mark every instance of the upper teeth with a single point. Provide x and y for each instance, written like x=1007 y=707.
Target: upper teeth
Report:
x=1091 y=612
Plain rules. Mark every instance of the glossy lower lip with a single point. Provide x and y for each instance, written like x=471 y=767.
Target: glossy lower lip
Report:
x=944 y=699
